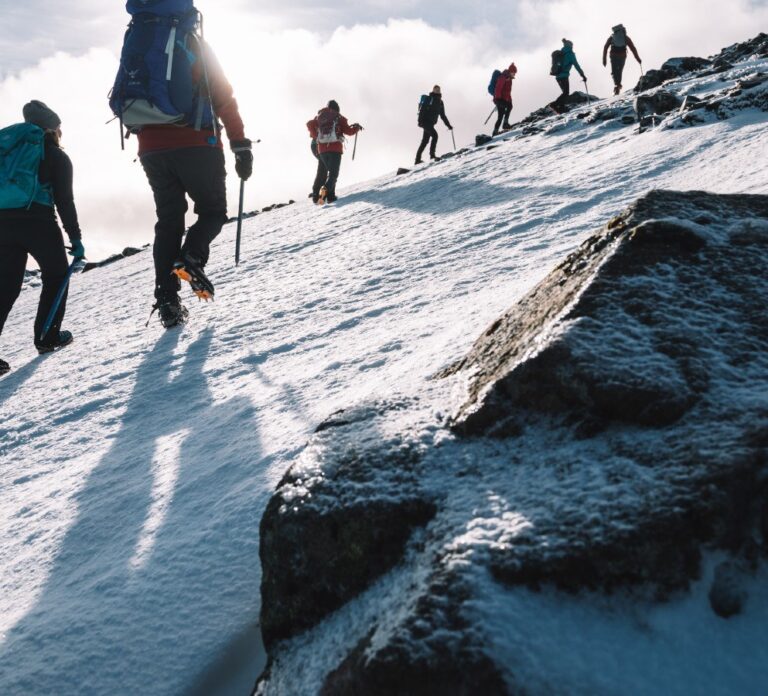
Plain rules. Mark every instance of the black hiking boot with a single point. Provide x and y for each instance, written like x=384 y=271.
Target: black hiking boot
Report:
x=434 y=158
x=188 y=268
x=331 y=198
x=172 y=312
x=418 y=160
x=4 y=367
x=63 y=338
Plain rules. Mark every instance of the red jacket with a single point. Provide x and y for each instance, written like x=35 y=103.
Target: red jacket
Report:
x=342 y=128
x=503 y=88
x=156 y=138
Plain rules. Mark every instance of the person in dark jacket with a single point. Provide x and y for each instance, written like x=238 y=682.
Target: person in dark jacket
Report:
x=429 y=112
x=327 y=131
x=502 y=98
x=618 y=42
x=34 y=231
x=563 y=76
x=180 y=161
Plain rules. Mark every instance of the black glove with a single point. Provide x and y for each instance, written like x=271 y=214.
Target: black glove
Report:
x=358 y=126
x=243 y=158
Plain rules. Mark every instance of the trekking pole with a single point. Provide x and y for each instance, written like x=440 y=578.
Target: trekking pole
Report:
x=76 y=265
x=453 y=137
x=239 y=222
x=586 y=86
x=354 y=149
x=489 y=116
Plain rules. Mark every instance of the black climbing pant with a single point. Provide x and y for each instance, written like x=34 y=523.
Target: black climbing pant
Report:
x=197 y=172
x=42 y=240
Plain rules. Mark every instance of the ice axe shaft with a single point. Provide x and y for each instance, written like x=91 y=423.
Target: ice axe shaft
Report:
x=354 y=148
x=489 y=116
x=75 y=265
x=453 y=137
x=239 y=222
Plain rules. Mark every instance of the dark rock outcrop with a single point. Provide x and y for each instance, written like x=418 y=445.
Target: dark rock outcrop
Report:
x=672 y=69
x=660 y=102
x=322 y=550
x=606 y=445
x=128 y=251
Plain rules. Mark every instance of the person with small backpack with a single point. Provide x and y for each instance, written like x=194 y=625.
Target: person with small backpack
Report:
x=35 y=179
x=327 y=130
x=431 y=108
x=562 y=62
x=618 y=42
x=502 y=97
x=173 y=100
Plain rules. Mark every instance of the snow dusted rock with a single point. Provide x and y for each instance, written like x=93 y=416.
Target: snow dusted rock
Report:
x=331 y=500
x=660 y=102
x=754 y=48
x=612 y=438
x=673 y=68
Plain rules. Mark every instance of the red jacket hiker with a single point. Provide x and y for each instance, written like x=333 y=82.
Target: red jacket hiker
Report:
x=342 y=128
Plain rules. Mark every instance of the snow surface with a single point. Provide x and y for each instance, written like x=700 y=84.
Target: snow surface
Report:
x=135 y=465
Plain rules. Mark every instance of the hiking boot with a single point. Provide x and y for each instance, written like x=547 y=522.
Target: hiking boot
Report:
x=63 y=338
x=4 y=367
x=617 y=90
x=495 y=132
x=418 y=160
x=188 y=268
x=434 y=158
x=331 y=198
x=172 y=312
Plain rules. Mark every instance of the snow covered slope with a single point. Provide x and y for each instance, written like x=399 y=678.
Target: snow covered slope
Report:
x=136 y=464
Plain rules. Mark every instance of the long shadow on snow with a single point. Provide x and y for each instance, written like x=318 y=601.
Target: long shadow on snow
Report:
x=447 y=194
x=11 y=382
x=142 y=585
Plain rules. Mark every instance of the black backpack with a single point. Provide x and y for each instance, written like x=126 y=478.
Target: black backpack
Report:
x=558 y=58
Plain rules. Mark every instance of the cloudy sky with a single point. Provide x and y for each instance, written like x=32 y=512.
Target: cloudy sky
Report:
x=285 y=60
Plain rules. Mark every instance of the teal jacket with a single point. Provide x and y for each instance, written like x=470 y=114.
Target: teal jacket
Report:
x=569 y=61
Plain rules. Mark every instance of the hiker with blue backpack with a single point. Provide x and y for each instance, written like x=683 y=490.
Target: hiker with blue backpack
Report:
x=562 y=62
x=171 y=92
x=500 y=89
x=35 y=179
x=618 y=42
x=431 y=108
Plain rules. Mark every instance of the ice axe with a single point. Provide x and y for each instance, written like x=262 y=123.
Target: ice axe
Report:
x=453 y=137
x=586 y=86
x=77 y=265
x=354 y=148
x=240 y=216
x=489 y=116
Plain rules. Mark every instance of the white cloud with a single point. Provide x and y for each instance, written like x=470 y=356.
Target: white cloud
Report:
x=375 y=71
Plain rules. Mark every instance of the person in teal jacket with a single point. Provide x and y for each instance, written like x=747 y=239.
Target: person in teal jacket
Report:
x=562 y=76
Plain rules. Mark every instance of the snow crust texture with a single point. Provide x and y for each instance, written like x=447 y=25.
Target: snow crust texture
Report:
x=613 y=437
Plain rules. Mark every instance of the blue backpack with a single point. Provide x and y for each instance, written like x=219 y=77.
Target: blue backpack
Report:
x=492 y=84
x=154 y=84
x=22 y=149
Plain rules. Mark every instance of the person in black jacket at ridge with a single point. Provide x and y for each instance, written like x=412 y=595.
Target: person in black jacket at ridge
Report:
x=34 y=230
x=429 y=112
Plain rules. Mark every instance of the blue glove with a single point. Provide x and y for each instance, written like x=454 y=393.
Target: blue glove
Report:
x=78 y=250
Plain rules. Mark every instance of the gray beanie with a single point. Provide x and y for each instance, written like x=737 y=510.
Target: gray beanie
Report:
x=39 y=114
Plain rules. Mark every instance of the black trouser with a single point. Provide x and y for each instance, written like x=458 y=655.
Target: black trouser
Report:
x=504 y=109
x=328 y=166
x=565 y=85
x=430 y=134
x=618 y=60
x=42 y=239
x=199 y=173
